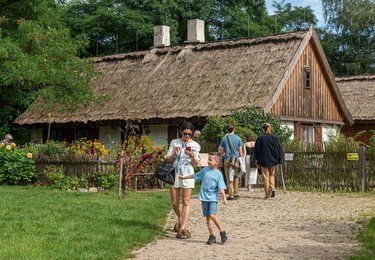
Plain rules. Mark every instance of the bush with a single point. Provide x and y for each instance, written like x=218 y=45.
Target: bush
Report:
x=57 y=179
x=106 y=180
x=246 y=120
x=50 y=148
x=16 y=165
x=372 y=142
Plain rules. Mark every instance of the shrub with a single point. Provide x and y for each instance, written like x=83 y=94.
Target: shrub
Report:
x=50 y=148
x=106 y=180
x=16 y=165
x=246 y=120
x=57 y=179
x=372 y=142
x=141 y=156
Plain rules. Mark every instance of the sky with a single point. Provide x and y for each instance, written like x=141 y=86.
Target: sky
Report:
x=316 y=5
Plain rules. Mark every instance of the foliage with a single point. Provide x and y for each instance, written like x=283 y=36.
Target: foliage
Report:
x=372 y=142
x=368 y=239
x=106 y=180
x=57 y=179
x=124 y=26
x=38 y=61
x=16 y=165
x=48 y=148
x=342 y=144
x=78 y=225
x=246 y=120
x=85 y=146
x=294 y=18
x=140 y=156
x=350 y=36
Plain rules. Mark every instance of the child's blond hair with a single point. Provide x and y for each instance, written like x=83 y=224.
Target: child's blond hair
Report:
x=217 y=156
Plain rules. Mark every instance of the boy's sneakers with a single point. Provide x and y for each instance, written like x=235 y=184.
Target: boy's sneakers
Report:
x=223 y=236
x=211 y=240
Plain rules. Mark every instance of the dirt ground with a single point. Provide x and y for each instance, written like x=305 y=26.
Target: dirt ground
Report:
x=295 y=225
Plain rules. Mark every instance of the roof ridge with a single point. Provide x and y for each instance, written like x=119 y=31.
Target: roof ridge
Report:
x=201 y=46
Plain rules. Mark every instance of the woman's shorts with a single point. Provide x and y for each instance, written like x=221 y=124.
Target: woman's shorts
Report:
x=209 y=208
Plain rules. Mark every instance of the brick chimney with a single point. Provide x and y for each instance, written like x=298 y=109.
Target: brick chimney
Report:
x=161 y=36
x=195 y=30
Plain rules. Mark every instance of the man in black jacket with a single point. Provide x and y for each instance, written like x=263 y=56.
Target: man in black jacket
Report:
x=267 y=153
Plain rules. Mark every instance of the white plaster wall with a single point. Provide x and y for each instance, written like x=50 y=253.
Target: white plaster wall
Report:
x=289 y=125
x=110 y=136
x=329 y=131
x=37 y=135
x=158 y=133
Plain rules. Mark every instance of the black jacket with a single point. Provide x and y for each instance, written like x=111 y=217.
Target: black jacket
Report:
x=267 y=150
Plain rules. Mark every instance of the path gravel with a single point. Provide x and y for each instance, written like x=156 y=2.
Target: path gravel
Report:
x=295 y=225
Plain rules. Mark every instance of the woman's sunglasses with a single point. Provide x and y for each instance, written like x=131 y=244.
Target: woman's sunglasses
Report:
x=187 y=134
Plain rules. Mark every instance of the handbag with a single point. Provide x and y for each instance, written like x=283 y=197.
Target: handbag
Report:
x=234 y=162
x=165 y=172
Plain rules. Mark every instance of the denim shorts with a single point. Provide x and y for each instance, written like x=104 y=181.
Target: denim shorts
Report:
x=209 y=208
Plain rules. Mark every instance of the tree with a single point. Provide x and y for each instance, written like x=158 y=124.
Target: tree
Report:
x=349 y=40
x=38 y=59
x=124 y=26
x=293 y=18
x=246 y=120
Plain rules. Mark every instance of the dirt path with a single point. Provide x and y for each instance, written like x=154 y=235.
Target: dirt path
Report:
x=295 y=225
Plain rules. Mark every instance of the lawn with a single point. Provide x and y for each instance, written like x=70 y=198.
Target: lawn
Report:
x=367 y=237
x=43 y=223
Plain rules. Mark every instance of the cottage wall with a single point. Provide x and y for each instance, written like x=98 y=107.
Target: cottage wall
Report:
x=317 y=102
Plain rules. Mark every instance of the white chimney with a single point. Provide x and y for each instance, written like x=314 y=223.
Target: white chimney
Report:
x=161 y=36
x=195 y=30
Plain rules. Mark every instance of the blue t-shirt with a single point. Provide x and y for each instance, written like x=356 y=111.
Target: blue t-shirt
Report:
x=212 y=182
x=236 y=142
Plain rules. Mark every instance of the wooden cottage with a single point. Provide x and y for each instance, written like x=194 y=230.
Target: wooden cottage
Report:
x=286 y=75
x=358 y=93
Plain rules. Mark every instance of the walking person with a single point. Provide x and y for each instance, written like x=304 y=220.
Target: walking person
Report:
x=184 y=154
x=268 y=153
x=229 y=141
x=212 y=184
x=251 y=167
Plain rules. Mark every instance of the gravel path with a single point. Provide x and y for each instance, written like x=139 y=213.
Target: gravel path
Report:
x=295 y=225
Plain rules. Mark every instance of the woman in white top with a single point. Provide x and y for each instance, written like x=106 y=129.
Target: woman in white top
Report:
x=184 y=153
x=251 y=168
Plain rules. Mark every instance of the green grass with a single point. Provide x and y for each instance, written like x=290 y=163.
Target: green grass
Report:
x=42 y=223
x=368 y=240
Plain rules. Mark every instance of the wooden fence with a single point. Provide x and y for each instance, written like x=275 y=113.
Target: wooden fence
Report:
x=327 y=171
x=73 y=166
x=324 y=171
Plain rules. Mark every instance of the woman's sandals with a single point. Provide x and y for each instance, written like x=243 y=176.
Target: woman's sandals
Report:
x=177 y=227
x=183 y=234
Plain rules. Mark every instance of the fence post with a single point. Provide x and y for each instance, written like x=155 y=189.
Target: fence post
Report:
x=362 y=167
x=120 y=175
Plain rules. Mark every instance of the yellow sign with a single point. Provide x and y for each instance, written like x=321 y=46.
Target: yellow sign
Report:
x=352 y=157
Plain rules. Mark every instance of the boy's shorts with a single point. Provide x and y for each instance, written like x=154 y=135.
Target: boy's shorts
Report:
x=209 y=208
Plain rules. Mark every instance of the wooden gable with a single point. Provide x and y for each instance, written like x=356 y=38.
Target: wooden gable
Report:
x=318 y=102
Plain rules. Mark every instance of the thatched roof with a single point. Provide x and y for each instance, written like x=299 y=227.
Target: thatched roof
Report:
x=190 y=80
x=358 y=93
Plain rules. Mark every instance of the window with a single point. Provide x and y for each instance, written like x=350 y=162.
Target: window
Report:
x=307 y=76
x=307 y=134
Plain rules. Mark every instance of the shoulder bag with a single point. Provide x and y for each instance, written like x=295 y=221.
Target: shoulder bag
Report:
x=234 y=162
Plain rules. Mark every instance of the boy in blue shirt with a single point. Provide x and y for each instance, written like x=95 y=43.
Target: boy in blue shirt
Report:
x=212 y=184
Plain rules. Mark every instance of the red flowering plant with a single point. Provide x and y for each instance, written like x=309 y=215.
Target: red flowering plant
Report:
x=141 y=156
